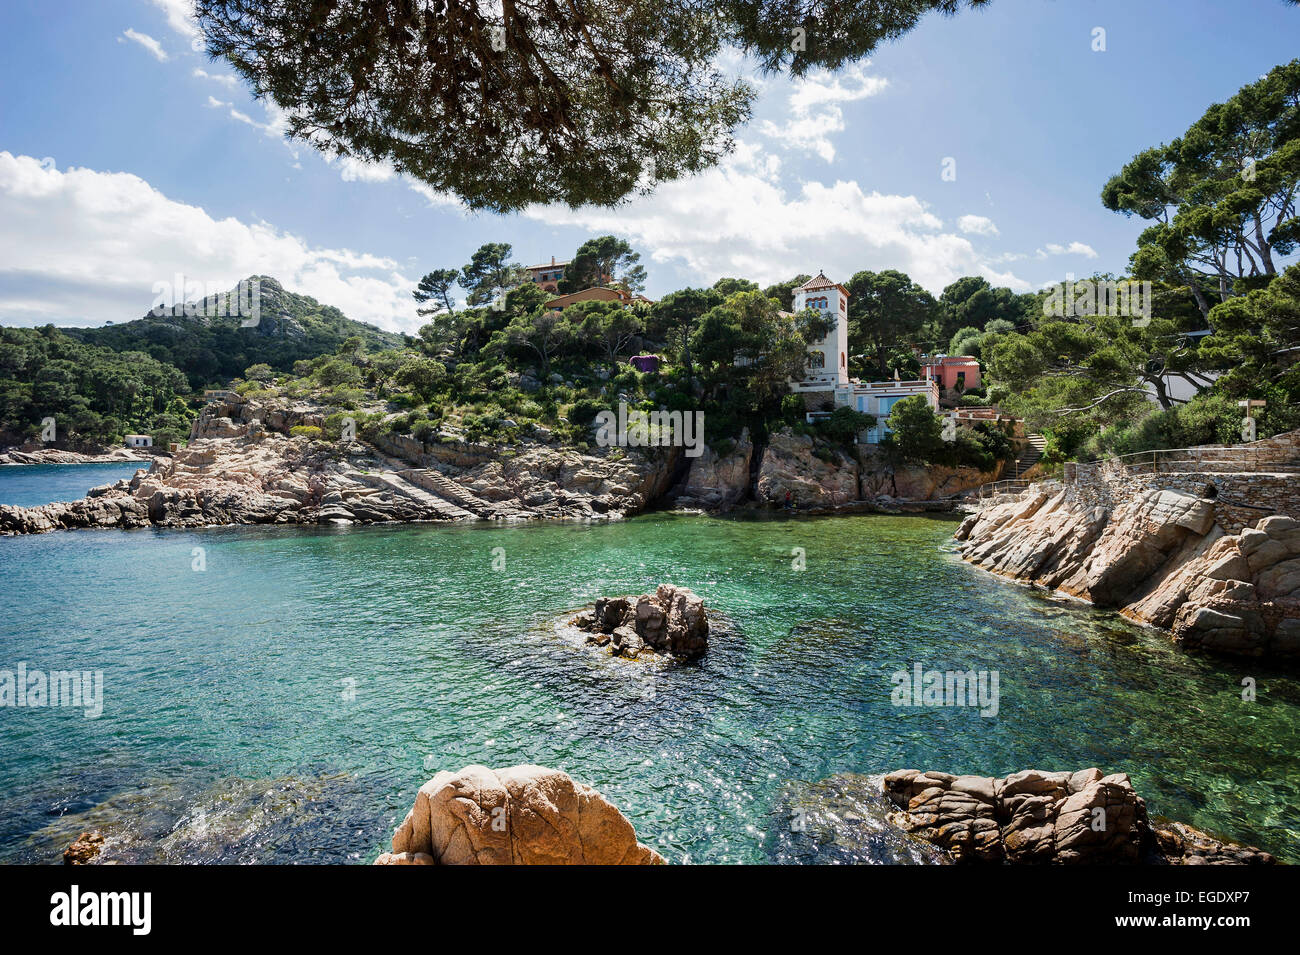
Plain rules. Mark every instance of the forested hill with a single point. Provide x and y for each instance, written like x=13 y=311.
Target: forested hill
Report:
x=290 y=328
x=146 y=376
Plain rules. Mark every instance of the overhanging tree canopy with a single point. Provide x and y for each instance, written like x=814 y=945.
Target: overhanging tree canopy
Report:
x=510 y=102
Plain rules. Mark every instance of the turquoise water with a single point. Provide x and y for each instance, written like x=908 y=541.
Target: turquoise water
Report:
x=285 y=703
x=30 y=485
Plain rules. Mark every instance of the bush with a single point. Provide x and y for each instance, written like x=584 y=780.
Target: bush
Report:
x=845 y=424
x=584 y=411
x=309 y=431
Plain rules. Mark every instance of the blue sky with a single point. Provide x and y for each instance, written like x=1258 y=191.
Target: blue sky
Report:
x=126 y=157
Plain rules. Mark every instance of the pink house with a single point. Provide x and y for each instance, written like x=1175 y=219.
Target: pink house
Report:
x=952 y=372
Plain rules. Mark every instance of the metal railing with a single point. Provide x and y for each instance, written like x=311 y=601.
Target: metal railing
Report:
x=1008 y=486
x=1207 y=458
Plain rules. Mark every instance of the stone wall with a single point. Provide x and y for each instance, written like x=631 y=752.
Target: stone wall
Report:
x=1265 y=481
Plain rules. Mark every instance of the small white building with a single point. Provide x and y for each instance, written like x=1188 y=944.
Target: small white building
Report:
x=827 y=381
x=139 y=441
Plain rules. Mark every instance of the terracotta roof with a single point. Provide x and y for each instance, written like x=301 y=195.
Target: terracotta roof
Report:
x=597 y=293
x=819 y=283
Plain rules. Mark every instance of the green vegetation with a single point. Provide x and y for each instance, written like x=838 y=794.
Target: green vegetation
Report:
x=95 y=395
x=916 y=437
x=210 y=351
x=523 y=104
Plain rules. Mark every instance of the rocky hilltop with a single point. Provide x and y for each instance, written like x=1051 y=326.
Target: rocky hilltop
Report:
x=1212 y=556
x=243 y=465
x=523 y=815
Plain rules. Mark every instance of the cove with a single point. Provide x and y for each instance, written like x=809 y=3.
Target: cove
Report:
x=284 y=704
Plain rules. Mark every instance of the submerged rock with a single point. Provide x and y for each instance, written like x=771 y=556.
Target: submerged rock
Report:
x=671 y=621
x=84 y=848
x=523 y=815
x=843 y=820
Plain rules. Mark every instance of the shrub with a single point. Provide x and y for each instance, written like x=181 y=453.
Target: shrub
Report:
x=584 y=411
x=845 y=424
x=309 y=431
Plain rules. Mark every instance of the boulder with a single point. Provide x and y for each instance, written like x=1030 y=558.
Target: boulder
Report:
x=523 y=815
x=670 y=621
x=1035 y=817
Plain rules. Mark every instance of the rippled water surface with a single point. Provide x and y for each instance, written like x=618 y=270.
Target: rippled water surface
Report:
x=286 y=703
x=30 y=485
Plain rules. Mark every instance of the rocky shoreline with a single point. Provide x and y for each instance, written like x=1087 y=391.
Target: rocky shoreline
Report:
x=1161 y=558
x=245 y=464
x=29 y=456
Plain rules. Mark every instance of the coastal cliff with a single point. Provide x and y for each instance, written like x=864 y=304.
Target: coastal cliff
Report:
x=1212 y=556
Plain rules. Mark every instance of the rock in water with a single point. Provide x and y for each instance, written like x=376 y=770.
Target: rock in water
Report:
x=84 y=848
x=671 y=621
x=523 y=815
x=1042 y=817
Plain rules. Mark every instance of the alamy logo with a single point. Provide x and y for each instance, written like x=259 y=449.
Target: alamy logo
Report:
x=1128 y=299
x=921 y=687
x=196 y=299
x=649 y=429
x=75 y=907
x=36 y=689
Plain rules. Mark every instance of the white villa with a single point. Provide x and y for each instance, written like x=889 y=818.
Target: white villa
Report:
x=139 y=441
x=828 y=385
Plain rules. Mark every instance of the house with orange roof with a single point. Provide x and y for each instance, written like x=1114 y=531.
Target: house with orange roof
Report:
x=598 y=293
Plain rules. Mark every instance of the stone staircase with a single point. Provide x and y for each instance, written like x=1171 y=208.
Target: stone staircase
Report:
x=401 y=485
x=1029 y=457
x=435 y=485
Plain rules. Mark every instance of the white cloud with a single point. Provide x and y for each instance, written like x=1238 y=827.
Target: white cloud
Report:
x=739 y=219
x=1074 y=248
x=148 y=42
x=814 y=110
x=225 y=79
x=180 y=16
x=83 y=247
x=977 y=225
x=216 y=103
x=357 y=170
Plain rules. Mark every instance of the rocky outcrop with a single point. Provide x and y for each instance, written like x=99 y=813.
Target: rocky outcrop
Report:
x=39 y=455
x=812 y=476
x=671 y=621
x=1160 y=557
x=914 y=483
x=523 y=815
x=718 y=482
x=1048 y=817
x=243 y=467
